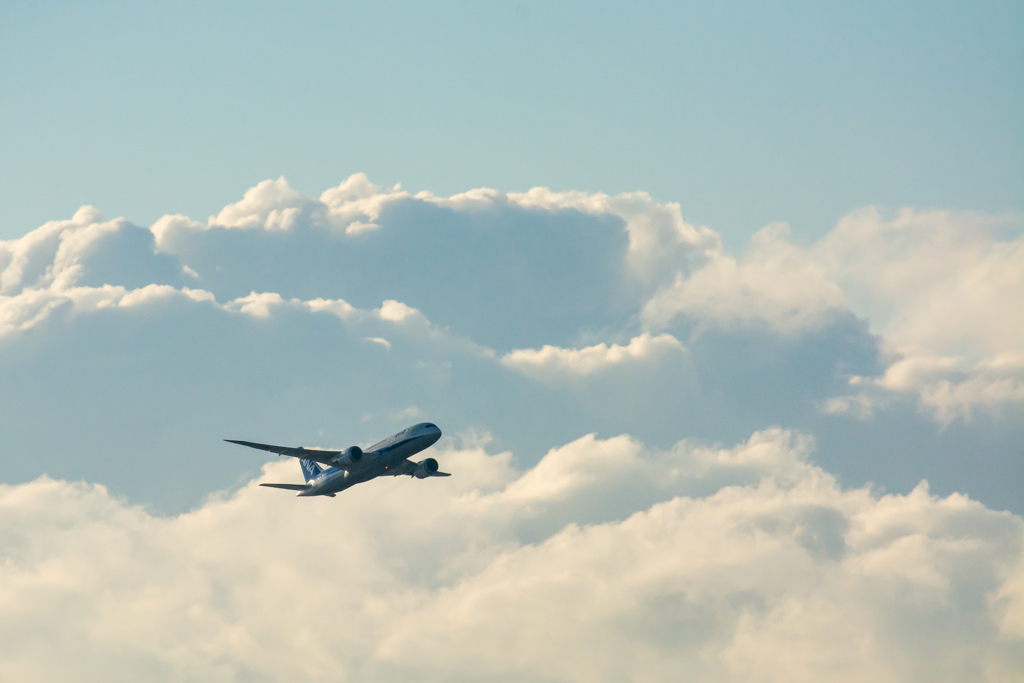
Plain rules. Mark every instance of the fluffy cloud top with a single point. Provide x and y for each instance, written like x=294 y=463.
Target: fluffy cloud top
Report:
x=632 y=553
x=945 y=289
x=570 y=311
x=949 y=282
x=775 y=283
x=945 y=292
x=738 y=563
x=550 y=361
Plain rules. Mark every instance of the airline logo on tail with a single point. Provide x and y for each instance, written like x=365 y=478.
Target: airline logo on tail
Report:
x=310 y=470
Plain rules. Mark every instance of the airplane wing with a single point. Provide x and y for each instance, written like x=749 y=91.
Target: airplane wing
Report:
x=321 y=456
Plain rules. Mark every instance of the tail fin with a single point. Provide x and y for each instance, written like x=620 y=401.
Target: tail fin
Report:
x=310 y=469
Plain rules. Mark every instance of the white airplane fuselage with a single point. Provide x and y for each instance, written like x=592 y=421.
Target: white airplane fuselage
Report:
x=381 y=459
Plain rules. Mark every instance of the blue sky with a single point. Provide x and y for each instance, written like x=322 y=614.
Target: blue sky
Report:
x=744 y=113
x=720 y=310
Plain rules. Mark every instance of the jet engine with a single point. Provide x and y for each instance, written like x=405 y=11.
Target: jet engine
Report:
x=425 y=469
x=349 y=456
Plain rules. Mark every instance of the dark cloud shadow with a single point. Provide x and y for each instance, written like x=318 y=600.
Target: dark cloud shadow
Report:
x=140 y=400
x=128 y=258
x=506 y=276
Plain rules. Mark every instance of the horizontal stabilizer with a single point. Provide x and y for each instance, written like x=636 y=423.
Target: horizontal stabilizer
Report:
x=290 y=487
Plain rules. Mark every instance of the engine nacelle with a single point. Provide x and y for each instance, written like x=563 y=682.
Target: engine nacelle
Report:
x=349 y=456
x=425 y=469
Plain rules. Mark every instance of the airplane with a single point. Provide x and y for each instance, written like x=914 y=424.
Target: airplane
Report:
x=346 y=468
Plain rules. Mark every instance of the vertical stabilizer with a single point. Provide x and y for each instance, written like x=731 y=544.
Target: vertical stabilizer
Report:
x=310 y=469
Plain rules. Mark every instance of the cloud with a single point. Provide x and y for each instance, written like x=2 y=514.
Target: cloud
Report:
x=408 y=413
x=395 y=311
x=27 y=260
x=519 y=322
x=85 y=251
x=727 y=563
x=273 y=205
x=775 y=283
x=947 y=292
x=940 y=385
x=945 y=281
x=569 y=312
x=552 y=360
x=943 y=290
x=504 y=273
x=660 y=241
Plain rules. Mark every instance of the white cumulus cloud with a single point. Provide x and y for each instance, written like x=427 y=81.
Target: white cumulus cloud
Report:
x=944 y=290
x=726 y=563
x=629 y=553
x=941 y=386
x=550 y=360
x=774 y=283
x=949 y=282
x=574 y=312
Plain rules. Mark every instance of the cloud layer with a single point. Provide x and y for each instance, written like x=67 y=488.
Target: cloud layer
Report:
x=565 y=311
x=591 y=354
x=540 y=269
x=607 y=561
